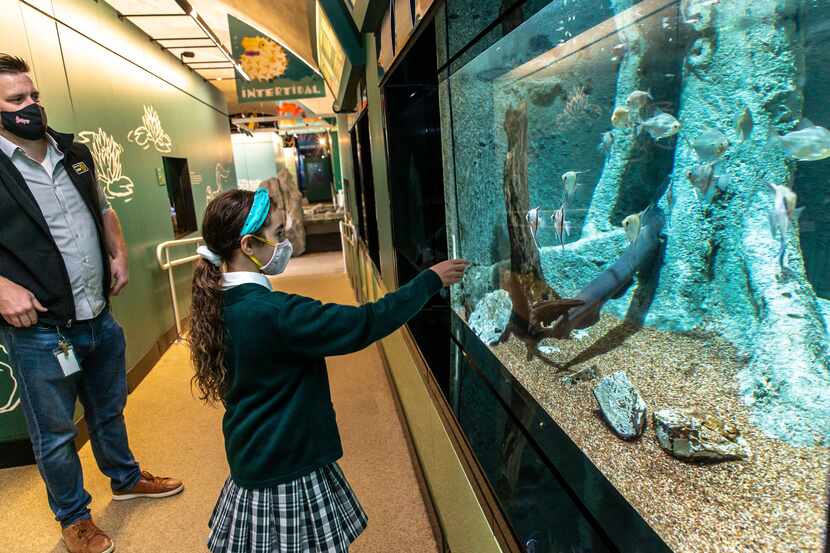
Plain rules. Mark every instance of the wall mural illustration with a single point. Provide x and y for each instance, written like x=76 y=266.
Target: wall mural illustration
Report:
x=151 y=132
x=107 y=155
x=222 y=176
x=9 y=399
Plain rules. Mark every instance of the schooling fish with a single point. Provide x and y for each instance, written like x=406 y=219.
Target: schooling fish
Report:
x=621 y=118
x=710 y=145
x=782 y=213
x=638 y=100
x=561 y=225
x=706 y=178
x=702 y=177
x=606 y=141
x=743 y=124
x=631 y=225
x=660 y=126
x=532 y=218
x=569 y=182
x=808 y=143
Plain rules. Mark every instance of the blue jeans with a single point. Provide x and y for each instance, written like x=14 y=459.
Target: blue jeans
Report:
x=48 y=400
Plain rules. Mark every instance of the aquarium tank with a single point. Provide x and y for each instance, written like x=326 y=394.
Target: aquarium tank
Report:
x=643 y=190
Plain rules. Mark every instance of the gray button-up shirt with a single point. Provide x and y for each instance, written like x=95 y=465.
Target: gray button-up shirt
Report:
x=70 y=222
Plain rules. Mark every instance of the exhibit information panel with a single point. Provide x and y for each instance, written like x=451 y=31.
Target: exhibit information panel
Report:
x=643 y=189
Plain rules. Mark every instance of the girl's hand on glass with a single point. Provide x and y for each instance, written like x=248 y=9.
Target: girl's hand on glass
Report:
x=451 y=271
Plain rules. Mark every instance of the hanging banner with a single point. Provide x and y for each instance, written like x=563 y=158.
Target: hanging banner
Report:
x=276 y=73
x=330 y=54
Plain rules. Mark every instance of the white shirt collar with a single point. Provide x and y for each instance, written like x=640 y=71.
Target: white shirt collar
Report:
x=231 y=280
x=9 y=148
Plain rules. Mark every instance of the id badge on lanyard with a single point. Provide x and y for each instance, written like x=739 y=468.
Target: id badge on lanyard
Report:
x=65 y=354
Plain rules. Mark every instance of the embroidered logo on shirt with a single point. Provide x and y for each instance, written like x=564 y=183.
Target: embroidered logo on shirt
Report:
x=80 y=168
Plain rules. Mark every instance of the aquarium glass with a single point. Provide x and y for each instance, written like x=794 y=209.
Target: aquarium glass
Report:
x=643 y=190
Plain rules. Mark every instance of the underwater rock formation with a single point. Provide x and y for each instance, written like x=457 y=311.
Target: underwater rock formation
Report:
x=491 y=316
x=622 y=406
x=285 y=192
x=623 y=148
x=697 y=436
x=721 y=269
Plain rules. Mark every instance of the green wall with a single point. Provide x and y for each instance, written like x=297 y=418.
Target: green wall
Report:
x=95 y=72
x=335 y=161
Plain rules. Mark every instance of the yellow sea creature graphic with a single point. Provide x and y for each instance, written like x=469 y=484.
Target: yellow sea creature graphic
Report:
x=263 y=59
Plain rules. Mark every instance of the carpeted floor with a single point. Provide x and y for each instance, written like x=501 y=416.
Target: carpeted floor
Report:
x=172 y=433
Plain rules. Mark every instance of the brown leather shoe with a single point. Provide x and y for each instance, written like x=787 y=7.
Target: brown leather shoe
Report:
x=85 y=537
x=150 y=486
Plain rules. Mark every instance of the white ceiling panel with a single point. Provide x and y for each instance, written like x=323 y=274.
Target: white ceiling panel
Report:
x=199 y=54
x=185 y=43
x=217 y=73
x=168 y=27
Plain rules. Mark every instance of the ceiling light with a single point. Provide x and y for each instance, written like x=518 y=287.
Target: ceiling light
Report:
x=188 y=9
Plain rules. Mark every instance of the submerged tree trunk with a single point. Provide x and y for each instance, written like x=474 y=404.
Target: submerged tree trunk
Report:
x=524 y=282
x=721 y=267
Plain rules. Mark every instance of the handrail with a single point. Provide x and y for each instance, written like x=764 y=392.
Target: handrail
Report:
x=161 y=248
x=163 y=258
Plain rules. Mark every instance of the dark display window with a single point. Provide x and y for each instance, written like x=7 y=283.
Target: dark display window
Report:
x=417 y=193
x=365 y=187
x=180 y=194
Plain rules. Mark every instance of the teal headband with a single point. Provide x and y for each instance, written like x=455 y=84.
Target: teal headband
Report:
x=258 y=214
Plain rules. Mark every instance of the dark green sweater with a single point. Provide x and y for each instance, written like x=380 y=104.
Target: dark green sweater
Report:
x=279 y=421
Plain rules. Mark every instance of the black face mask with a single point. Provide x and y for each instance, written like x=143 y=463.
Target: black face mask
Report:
x=28 y=123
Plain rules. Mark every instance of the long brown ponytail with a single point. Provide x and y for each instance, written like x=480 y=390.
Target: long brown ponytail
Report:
x=224 y=217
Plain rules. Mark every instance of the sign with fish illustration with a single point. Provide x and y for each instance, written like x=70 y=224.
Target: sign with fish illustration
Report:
x=276 y=73
x=106 y=153
x=151 y=133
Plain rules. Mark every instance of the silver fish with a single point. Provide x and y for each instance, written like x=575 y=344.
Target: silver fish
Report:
x=743 y=124
x=638 y=99
x=808 y=143
x=569 y=183
x=782 y=213
x=707 y=179
x=631 y=225
x=662 y=125
x=710 y=145
x=621 y=118
x=532 y=218
x=606 y=142
x=561 y=225
x=701 y=177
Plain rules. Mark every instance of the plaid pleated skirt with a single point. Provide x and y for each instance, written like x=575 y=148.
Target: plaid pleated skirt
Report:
x=316 y=513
